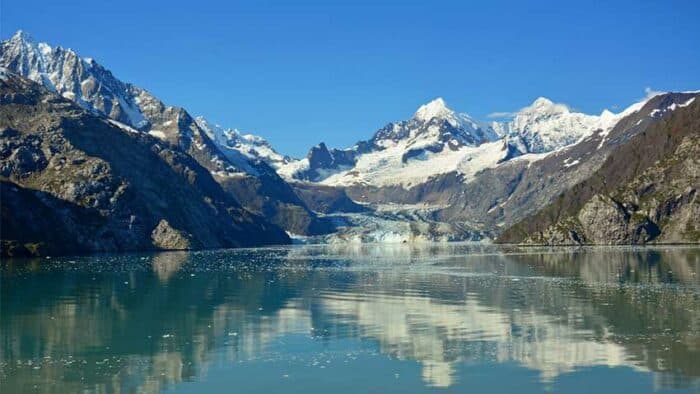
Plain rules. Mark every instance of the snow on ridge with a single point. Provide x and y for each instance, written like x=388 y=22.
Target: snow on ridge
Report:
x=385 y=167
x=64 y=72
x=671 y=107
x=434 y=109
x=538 y=130
x=687 y=103
x=251 y=146
x=546 y=126
x=123 y=126
x=568 y=162
x=541 y=128
x=438 y=109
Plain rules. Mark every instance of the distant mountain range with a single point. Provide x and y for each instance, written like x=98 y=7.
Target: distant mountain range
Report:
x=438 y=176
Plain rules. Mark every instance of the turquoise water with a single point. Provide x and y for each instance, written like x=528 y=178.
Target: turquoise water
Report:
x=341 y=319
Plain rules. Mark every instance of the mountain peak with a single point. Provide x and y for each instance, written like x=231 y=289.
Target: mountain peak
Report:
x=545 y=105
x=434 y=109
x=606 y=114
x=542 y=102
x=22 y=36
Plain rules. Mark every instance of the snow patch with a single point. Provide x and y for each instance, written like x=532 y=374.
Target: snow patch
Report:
x=157 y=133
x=434 y=109
x=670 y=108
x=386 y=167
x=570 y=163
x=241 y=148
x=687 y=103
x=123 y=126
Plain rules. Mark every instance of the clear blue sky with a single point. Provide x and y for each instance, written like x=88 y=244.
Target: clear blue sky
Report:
x=300 y=72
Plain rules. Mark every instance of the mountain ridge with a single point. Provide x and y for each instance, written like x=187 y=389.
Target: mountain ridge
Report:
x=650 y=196
x=74 y=182
x=438 y=175
x=97 y=90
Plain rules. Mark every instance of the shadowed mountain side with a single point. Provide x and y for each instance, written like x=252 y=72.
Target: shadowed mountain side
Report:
x=327 y=199
x=39 y=223
x=274 y=199
x=148 y=195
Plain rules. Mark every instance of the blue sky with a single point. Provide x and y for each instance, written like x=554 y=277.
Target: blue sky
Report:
x=300 y=72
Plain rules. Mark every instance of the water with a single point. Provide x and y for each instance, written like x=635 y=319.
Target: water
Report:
x=339 y=319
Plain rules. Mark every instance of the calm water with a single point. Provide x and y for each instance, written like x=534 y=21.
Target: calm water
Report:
x=354 y=319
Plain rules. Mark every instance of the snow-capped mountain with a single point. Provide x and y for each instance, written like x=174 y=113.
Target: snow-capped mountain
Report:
x=644 y=191
x=96 y=89
x=435 y=140
x=79 y=79
x=239 y=163
x=435 y=125
x=73 y=181
x=438 y=140
x=233 y=144
x=442 y=169
x=545 y=126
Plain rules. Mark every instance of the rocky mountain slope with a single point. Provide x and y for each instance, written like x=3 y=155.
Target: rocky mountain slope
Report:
x=76 y=182
x=440 y=175
x=501 y=196
x=249 y=179
x=645 y=191
x=489 y=186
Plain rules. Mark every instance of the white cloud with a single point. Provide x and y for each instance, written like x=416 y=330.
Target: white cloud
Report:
x=649 y=92
x=501 y=115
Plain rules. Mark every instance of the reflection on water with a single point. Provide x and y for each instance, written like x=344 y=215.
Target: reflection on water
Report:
x=386 y=318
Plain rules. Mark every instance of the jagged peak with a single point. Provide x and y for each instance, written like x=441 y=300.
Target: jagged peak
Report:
x=320 y=146
x=25 y=43
x=215 y=128
x=22 y=36
x=437 y=108
x=544 y=105
x=229 y=135
x=201 y=119
x=542 y=102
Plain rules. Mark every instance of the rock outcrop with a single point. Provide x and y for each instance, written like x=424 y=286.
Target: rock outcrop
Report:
x=168 y=238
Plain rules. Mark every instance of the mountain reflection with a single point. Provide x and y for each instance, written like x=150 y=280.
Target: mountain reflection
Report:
x=140 y=323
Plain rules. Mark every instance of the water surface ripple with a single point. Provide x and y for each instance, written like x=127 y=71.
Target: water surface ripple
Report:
x=354 y=318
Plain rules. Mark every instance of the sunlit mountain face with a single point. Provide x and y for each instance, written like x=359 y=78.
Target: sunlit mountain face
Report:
x=408 y=318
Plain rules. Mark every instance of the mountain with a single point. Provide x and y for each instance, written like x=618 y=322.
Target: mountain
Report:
x=435 y=140
x=646 y=191
x=242 y=147
x=438 y=140
x=97 y=90
x=247 y=177
x=498 y=197
x=479 y=190
x=545 y=126
x=73 y=182
x=440 y=175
